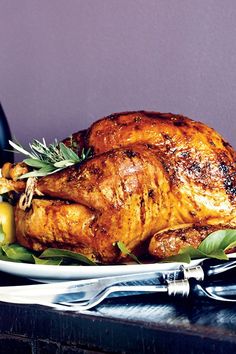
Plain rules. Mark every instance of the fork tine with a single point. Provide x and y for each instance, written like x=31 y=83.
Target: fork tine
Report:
x=97 y=299
x=86 y=305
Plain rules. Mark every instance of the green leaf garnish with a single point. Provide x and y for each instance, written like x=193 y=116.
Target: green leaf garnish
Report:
x=124 y=250
x=18 y=253
x=45 y=159
x=3 y=257
x=51 y=256
x=221 y=239
x=180 y=257
x=36 y=163
x=55 y=261
x=55 y=252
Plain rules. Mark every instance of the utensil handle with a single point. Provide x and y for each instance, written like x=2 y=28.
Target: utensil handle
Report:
x=217 y=290
x=215 y=269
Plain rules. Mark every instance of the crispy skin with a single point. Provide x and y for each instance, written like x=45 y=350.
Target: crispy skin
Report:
x=150 y=173
x=55 y=224
x=115 y=186
x=170 y=242
x=166 y=130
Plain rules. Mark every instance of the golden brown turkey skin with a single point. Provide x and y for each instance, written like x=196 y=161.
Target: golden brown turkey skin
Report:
x=193 y=144
x=51 y=223
x=166 y=130
x=151 y=172
x=168 y=243
x=131 y=196
x=118 y=187
x=195 y=149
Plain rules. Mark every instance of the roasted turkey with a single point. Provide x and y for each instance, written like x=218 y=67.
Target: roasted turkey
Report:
x=156 y=182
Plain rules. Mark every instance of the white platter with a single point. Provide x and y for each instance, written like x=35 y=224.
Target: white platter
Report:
x=52 y=273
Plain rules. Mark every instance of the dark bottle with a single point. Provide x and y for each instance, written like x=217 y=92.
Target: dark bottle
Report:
x=5 y=135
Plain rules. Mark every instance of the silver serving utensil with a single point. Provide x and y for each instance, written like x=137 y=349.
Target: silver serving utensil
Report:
x=173 y=288
x=178 y=287
x=83 y=292
x=219 y=291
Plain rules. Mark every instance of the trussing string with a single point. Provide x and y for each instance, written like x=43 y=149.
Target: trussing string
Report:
x=27 y=196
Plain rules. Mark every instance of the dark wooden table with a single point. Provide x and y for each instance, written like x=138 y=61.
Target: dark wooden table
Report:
x=141 y=324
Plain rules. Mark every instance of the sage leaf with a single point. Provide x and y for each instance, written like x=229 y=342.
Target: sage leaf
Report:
x=44 y=171
x=124 y=250
x=17 y=252
x=193 y=253
x=218 y=240
x=3 y=257
x=68 y=153
x=218 y=254
x=181 y=257
x=64 y=163
x=54 y=261
x=36 y=163
x=53 y=252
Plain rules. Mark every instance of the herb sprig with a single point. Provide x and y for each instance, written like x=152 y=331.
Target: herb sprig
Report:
x=46 y=159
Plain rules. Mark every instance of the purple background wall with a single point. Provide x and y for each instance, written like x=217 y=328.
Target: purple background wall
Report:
x=63 y=64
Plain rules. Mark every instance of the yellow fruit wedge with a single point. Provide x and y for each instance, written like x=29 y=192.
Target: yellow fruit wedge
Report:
x=7 y=224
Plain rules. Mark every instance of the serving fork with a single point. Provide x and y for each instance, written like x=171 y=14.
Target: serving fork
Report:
x=82 y=295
